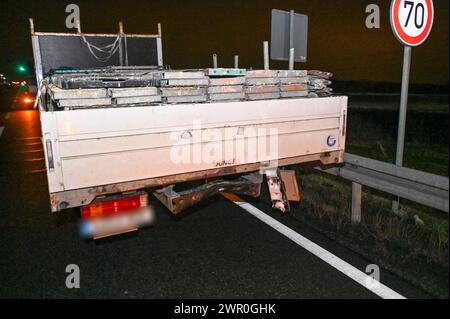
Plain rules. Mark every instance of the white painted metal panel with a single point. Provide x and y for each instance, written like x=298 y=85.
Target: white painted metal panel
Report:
x=106 y=146
x=110 y=168
x=74 y=125
x=94 y=146
x=50 y=133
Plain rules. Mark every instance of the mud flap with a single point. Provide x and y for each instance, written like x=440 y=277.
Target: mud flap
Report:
x=289 y=180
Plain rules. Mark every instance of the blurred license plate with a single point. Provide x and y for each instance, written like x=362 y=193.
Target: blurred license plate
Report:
x=101 y=227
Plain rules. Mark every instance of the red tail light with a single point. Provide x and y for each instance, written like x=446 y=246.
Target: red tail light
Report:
x=114 y=206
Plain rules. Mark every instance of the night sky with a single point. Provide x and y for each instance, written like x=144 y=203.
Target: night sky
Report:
x=192 y=30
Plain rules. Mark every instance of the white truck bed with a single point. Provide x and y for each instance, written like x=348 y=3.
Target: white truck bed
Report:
x=100 y=139
x=100 y=151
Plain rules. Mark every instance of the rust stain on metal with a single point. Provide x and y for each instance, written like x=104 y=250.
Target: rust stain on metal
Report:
x=227 y=81
x=262 y=74
x=262 y=89
x=293 y=87
x=53 y=203
x=177 y=202
x=290 y=185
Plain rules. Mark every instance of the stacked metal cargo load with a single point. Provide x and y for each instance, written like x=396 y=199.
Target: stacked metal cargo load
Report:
x=183 y=87
x=69 y=98
x=103 y=97
x=226 y=84
x=73 y=89
x=118 y=88
x=319 y=83
x=135 y=95
x=262 y=85
x=293 y=84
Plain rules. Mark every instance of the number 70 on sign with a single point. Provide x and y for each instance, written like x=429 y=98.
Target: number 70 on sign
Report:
x=412 y=20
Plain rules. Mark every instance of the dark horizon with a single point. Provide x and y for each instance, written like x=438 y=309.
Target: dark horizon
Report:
x=339 y=41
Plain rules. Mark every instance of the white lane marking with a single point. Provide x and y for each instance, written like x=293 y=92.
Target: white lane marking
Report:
x=1 y=130
x=354 y=273
x=7 y=116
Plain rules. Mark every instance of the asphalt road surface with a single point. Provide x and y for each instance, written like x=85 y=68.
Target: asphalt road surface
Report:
x=215 y=250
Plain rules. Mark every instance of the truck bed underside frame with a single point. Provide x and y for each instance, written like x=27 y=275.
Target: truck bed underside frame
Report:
x=80 y=197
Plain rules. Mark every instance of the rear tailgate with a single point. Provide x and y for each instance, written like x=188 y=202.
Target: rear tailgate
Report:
x=88 y=148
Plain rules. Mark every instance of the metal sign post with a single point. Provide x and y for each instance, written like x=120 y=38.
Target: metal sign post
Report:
x=291 y=40
x=402 y=115
x=411 y=22
x=403 y=106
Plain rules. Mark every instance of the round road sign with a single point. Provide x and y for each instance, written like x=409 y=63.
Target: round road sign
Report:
x=412 y=20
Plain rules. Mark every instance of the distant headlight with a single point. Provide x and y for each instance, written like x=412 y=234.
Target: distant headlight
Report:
x=28 y=100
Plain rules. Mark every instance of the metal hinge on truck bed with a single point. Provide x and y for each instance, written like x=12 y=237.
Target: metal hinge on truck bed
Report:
x=283 y=188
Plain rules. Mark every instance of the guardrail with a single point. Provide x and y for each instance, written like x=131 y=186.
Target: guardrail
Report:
x=417 y=186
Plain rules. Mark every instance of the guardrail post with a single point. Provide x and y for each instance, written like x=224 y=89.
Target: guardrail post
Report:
x=356 y=203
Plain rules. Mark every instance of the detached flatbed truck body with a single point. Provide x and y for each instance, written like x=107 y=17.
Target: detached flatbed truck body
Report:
x=99 y=151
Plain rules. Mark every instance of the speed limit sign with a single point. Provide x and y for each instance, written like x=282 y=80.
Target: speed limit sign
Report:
x=412 y=20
